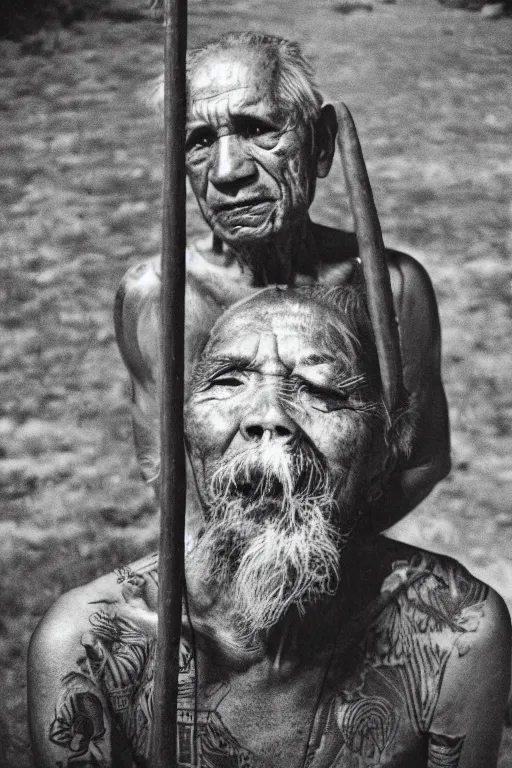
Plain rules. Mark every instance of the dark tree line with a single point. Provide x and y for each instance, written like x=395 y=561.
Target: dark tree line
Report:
x=19 y=18
x=25 y=17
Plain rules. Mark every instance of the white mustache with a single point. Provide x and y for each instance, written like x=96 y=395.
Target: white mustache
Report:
x=269 y=471
x=273 y=535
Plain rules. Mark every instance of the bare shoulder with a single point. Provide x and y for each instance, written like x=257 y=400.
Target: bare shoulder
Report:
x=480 y=620
x=75 y=678
x=474 y=685
x=438 y=593
x=64 y=624
x=409 y=278
x=140 y=282
x=420 y=330
x=411 y=284
x=67 y=619
x=430 y=616
x=442 y=601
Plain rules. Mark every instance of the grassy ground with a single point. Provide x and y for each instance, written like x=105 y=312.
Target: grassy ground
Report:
x=80 y=175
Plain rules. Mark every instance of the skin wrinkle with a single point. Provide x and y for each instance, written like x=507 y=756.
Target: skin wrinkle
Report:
x=340 y=376
x=282 y=174
x=220 y=92
x=278 y=255
x=222 y=109
x=258 y=154
x=288 y=74
x=207 y=470
x=225 y=132
x=359 y=719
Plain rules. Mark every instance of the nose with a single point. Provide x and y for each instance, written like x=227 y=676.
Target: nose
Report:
x=230 y=163
x=268 y=418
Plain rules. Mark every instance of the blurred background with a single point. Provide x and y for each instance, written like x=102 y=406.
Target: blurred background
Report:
x=430 y=88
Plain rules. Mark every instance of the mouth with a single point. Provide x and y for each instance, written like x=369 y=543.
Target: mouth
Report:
x=273 y=488
x=243 y=213
x=260 y=508
x=241 y=205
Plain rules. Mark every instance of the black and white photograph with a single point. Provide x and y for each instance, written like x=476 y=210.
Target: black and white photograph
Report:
x=256 y=376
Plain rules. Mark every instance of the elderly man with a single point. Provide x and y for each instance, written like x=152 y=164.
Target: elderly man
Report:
x=306 y=640
x=257 y=139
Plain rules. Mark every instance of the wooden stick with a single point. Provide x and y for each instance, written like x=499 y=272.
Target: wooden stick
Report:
x=373 y=260
x=172 y=316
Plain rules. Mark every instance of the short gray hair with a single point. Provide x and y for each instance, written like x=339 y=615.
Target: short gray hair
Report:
x=290 y=73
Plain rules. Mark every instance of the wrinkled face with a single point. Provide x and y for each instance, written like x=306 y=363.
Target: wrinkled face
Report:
x=268 y=374
x=283 y=451
x=250 y=170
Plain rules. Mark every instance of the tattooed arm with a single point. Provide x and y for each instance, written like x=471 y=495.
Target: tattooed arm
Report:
x=467 y=724
x=69 y=720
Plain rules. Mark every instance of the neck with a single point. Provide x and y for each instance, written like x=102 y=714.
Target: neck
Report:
x=294 y=642
x=279 y=260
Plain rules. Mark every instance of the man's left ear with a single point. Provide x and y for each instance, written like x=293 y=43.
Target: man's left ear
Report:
x=325 y=140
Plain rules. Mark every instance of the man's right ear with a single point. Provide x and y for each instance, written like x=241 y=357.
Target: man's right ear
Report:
x=325 y=136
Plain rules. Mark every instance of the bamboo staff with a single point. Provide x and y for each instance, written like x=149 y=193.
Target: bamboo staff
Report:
x=373 y=260
x=172 y=317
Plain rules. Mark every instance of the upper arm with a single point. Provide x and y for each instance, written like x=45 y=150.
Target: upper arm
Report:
x=475 y=688
x=420 y=342
x=137 y=334
x=68 y=714
x=136 y=323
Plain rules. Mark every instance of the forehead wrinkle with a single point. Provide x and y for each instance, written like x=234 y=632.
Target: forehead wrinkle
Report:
x=324 y=345
x=219 y=107
x=226 y=75
x=219 y=93
x=294 y=319
x=207 y=82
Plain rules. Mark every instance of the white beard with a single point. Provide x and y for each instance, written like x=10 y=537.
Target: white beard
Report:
x=278 y=545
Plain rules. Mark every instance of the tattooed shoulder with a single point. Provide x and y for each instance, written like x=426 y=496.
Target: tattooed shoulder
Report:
x=429 y=607
x=87 y=657
x=385 y=687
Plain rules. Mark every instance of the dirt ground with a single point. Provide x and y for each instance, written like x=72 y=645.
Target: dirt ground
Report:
x=80 y=178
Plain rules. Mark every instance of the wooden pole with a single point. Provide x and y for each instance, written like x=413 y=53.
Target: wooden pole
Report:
x=373 y=260
x=172 y=318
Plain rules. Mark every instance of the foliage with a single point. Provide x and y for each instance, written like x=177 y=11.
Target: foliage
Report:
x=26 y=17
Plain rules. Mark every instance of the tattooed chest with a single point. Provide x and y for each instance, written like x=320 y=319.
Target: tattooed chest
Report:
x=367 y=723
x=225 y=725
x=374 y=707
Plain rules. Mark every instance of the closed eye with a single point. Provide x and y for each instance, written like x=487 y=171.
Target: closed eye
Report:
x=321 y=398
x=318 y=391
x=226 y=381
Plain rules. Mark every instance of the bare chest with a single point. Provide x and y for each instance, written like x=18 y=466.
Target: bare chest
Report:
x=300 y=726
x=372 y=703
x=376 y=714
